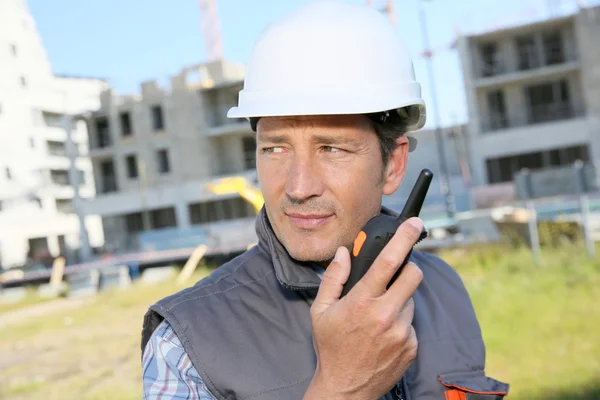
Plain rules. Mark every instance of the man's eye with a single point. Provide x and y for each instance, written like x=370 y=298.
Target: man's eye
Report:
x=272 y=149
x=331 y=149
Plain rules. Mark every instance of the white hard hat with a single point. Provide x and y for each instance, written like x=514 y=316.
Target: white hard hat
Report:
x=331 y=57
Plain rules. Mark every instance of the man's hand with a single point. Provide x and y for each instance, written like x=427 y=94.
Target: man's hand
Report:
x=365 y=341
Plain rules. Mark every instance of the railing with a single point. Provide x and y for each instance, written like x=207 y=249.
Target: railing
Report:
x=493 y=68
x=531 y=115
x=526 y=59
x=60 y=179
x=65 y=206
x=108 y=184
x=550 y=112
x=52 y=120
x=57 y=149
x=103 y=140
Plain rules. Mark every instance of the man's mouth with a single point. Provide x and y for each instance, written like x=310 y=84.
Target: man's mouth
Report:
x=309 y=220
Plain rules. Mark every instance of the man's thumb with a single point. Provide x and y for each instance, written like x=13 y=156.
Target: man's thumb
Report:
x=333 y=281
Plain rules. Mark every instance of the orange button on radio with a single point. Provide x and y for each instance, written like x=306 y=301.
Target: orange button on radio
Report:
x=358 y=243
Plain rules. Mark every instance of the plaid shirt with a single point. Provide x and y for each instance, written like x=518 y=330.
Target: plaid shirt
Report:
x=168 y=373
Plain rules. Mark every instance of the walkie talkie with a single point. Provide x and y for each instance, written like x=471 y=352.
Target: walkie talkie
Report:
x=378 y=231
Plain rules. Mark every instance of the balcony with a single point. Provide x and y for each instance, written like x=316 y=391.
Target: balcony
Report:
x=530 y=116
x=60 y=135
x=531 y=138
x=528 y=60
x=107 y=184
x=57 y=152
x=551 y=112
x=101 y=150
x=515 y=75
x=493 y=67
x=100 y=138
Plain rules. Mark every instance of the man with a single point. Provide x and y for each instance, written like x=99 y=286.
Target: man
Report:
x=330 y=92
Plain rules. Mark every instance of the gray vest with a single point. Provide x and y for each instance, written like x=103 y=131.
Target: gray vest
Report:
x=247 y=328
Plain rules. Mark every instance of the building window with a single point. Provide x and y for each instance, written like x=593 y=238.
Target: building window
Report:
x=490 y=59
x=157 y=118
x=60 y=177
x=56 y=148
x=548 y=101
x=497 y=110
x=64 y=206
x=134 y=222
x=164 y=166
x=53 y=120
x=23 y=81
x=13 y=49
x=219 y=210
x=249 y=145
x=554 y=52
x=503 y=169
x=163 y=218
x=108 y=179
x=132 y=170
x=8 y=173
x=125 y=120
x=527 y=53
x=102 y=133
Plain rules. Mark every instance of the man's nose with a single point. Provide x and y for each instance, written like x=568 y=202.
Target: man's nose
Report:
x=304 y=180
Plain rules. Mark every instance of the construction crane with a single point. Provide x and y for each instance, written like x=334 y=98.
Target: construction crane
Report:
x=211 y=29
x=388 y=9
x=211 y=26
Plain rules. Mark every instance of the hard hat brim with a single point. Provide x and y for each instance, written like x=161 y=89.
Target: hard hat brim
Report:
x=270 y=104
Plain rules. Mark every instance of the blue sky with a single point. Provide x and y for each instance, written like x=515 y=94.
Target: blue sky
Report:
x=129 y=41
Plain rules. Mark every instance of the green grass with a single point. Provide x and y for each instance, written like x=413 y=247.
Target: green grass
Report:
x=541 y=325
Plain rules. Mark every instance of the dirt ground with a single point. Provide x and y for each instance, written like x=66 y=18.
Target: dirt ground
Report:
x=84 y=348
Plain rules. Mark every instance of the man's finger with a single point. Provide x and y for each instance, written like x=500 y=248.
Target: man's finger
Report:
x=406 y=284
x=333 y=281
x=407 y=313
x=375 y=281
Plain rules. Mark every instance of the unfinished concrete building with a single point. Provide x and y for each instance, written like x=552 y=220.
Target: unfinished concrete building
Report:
x=154 y=153
x=533 y=95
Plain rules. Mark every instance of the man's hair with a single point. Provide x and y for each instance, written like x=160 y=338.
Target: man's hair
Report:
x=389 y=126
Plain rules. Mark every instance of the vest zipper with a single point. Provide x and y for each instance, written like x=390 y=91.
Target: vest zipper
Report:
x=398 y=392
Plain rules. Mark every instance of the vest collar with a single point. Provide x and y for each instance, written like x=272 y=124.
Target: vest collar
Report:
x=291 y=273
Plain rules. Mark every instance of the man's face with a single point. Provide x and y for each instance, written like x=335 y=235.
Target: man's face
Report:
x=322 y=179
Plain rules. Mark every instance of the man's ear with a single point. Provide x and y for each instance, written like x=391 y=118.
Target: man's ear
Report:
x=396 y=167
